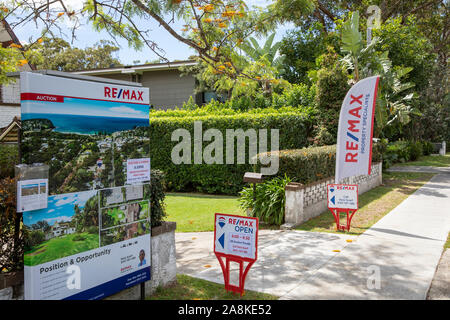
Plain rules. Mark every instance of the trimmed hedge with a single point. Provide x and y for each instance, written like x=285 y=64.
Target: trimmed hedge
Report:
x=312 y=164
x=294 y=127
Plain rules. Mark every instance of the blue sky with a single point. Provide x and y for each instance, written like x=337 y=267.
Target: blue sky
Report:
x=174 y=50
x=60 y=208
x=89 y=108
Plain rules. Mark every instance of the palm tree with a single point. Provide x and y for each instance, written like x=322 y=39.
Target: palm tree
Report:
x=269 y=50
x=393 y=104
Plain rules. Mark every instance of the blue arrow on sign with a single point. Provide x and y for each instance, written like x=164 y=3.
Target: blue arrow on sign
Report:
x=222 y=240
x=332 y=199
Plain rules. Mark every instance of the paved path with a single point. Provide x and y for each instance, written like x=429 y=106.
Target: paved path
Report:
x=425 y=169
x=440 y=287
x=404 y=247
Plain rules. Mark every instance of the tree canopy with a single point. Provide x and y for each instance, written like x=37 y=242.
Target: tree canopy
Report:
x=58 y=54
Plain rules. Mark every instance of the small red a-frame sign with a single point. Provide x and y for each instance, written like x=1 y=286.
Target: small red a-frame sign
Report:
x=342 y=198
x=235 y=240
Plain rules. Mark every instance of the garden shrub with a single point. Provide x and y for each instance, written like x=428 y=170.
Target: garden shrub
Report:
x=415 y=150
x=268 y=201
x=11 y=239
x=9 y=157
x=404 y=151
x=157 y=196
x=311 y=164
x=428 y=148
x=79 y=237
x=294 y=128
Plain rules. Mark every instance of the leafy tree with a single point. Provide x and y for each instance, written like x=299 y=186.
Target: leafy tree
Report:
x=301 y=47
x=306 y=13
x=269 y=50
x=214 y=28
x=394 y=99
x=57 y=54
x=41 y=225
x=11 y=57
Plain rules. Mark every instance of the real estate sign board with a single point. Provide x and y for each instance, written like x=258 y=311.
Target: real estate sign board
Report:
x=236 y=236
x=342 y=196
x=93 y=237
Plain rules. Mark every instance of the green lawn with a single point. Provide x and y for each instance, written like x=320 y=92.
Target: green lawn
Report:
x=434 y=161
x=60 y=247
x=374 y=204
x=195 y=212
x=188 y=288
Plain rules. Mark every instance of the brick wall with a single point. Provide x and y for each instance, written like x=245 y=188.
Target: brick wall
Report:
x=11 y=93
x=309 y=201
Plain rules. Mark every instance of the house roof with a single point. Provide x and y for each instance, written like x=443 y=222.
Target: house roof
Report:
x=7 y=37
x=8 y=133
x=138 y=69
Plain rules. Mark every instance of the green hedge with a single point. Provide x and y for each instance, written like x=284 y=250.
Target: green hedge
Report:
x=294 y=127
x=311 y=164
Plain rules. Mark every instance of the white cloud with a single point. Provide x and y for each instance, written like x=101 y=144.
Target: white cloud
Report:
x=51 y=221
x=126 y=110
x=63 y=201
x=79 y=198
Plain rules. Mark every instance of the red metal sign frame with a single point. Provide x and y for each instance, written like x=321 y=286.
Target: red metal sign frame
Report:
x=225 y=265
x=349 y=212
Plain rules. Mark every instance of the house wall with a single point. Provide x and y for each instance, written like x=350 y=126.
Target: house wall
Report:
x=7 y=114
x=168 y=89
x=11 y=93
x=116 y=76
x=9 y=103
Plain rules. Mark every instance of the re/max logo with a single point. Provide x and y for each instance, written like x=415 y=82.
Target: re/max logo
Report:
x=126 y=94
x=239 y=222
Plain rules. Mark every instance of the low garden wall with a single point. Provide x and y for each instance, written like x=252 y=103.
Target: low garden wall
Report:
x=164 y=269
x=304 y=202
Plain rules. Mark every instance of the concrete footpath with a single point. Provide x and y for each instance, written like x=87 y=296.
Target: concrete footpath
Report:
x=395 y=259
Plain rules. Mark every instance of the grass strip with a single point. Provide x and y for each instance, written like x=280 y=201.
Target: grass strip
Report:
x=189 y=288
x=374 y=204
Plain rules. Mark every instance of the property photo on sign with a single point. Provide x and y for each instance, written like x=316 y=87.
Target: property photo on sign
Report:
x=97 y=215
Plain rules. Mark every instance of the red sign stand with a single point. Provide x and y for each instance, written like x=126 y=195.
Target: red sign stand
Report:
x=226 y=271
x=336 y=212
x=244 y=232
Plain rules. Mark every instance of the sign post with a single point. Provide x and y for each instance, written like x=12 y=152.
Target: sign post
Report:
x=235 y=240
x=342 y=198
